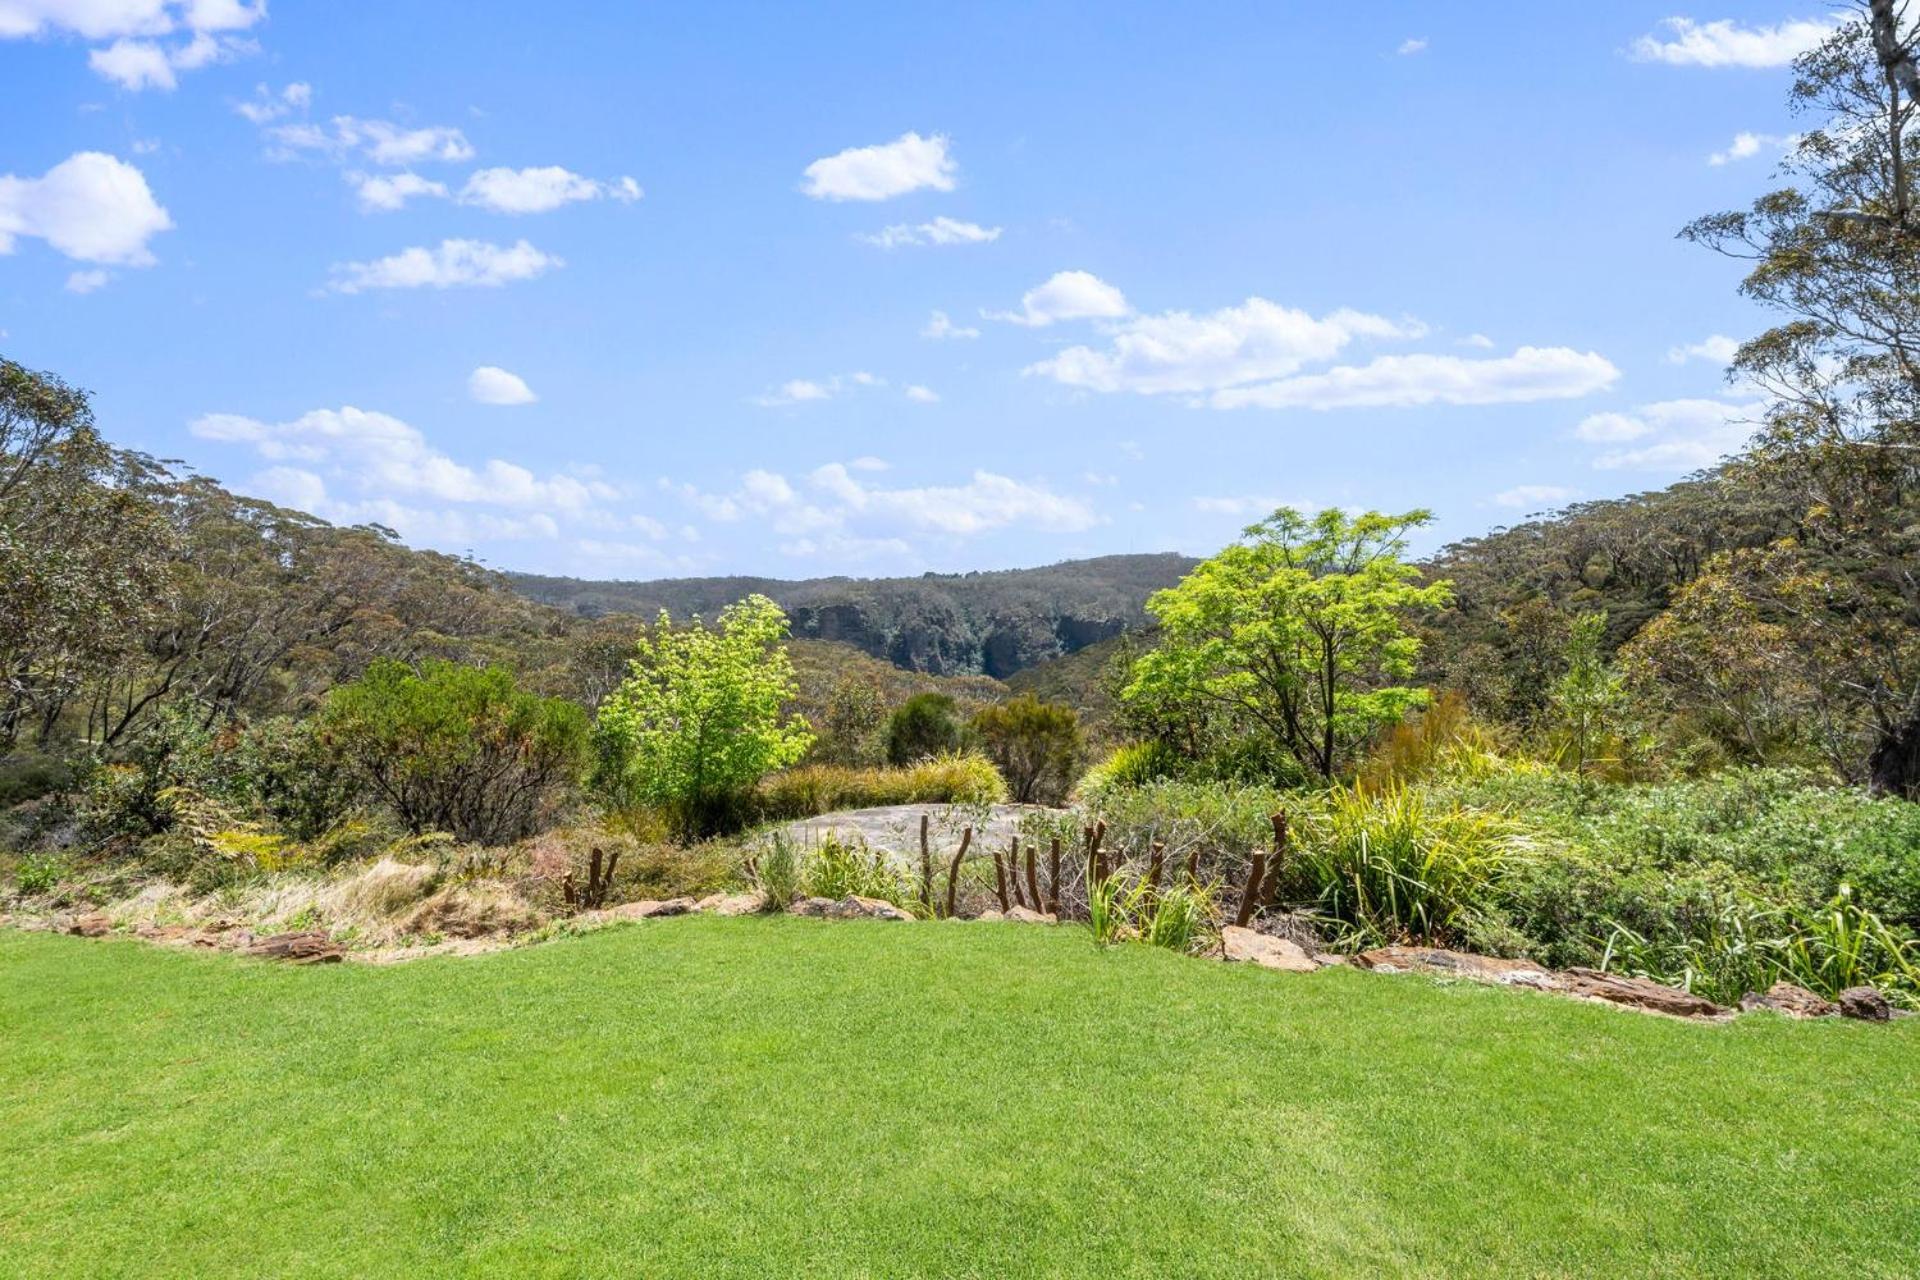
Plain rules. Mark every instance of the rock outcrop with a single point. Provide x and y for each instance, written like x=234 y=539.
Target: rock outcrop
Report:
x=1791 y=1000
x=1245 y=946
x=851 y=907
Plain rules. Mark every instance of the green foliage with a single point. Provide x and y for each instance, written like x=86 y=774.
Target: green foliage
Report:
x=293 y=774
x=836 y=868
x=775 y=870
x=1301 y=628
x=698 y=721
x=1036 y=745
x=1131 y=764
x=1393 y=865
x=922 y=726
x=1588 y=701
x=36 y=874
x=458 y=749
x=1442 y=741
x=851 y=727
x=810 y=789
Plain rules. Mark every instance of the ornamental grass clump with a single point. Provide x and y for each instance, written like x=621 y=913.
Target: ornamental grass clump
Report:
x=1392 y=865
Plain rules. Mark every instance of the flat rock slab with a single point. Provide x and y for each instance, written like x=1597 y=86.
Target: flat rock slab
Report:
x=649 y=909
x=1792 y=1000
x=1458 y=964
x=1247 y=946
x=732 y=904
x=1640 y=993
x=896 y=828
x=851 y=907
x=94 y=925
x=1865 y=1004
x=306 y=947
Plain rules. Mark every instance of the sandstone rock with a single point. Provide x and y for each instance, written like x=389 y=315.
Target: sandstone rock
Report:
x=1640 y=993
x=1027 y=915
x=95 y=925
x=1458 y=964
x=993 y=914
x=307 y=947
x=1866 y=1004
x=1265 y=951
x=1794 y=1001
x=732 y=904
x=160 y=932
x=1327 y=959
x=851 y=907
x=649 y=908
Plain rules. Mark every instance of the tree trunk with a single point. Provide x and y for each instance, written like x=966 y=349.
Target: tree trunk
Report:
x=1894 y=768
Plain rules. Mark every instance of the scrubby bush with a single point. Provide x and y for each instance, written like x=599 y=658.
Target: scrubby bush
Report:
x=1036 y=745
x=922 y=726
x=291 y=773
x=698 y=720
x=785 y=870
x=458 y=749
x=813 y=789
x=1131 y=764
x=1393 y=864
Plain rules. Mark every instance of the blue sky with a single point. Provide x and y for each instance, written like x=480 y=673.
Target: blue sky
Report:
x=629 y=292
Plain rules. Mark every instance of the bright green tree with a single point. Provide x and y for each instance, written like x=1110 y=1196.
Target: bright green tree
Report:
x=1300 y=628
x=698 y=720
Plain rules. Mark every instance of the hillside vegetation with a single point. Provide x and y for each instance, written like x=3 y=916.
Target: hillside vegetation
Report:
x=993 y=623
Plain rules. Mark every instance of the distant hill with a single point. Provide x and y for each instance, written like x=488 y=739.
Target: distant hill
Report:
x=993 y=623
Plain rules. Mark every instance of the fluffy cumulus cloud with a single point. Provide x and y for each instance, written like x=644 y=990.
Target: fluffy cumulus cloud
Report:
x=940 y=326
x=810 y=390
x=1066 y=295
x=1180 y=351
x=490 y=384
x=1412 y=45
x=1530 y=373
x=1684 y=42
x=1670 y=435
x=1533 y=497
x=1714 y=349
x=1746 y=145
x=152 y=40
x=908 y=163
x=385 y=464
x=1258 y=355
x=941 y=231
x=267 y=106
x=451 y=264
x=387 y=192
x=90 y=207
x=540 y=190
x=376 y=141
x=837 y=509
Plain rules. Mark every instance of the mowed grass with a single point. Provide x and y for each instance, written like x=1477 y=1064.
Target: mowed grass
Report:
x=781 y=1097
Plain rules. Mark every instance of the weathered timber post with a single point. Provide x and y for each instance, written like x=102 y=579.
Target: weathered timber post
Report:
x=1013 y=870
x=953 y=872
x=926 y=866
x=1000 y=881
x=1250 y=896
x=1277 y=860
x=1053 y=860
x=1033 y=882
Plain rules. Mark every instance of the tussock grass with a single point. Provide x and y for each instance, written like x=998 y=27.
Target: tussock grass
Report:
x=814 y=789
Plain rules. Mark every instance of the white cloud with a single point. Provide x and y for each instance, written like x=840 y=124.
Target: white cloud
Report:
x=379 y=141
x=833 y=509
x=1535 y=497
x=941 y=231
x=384 y=458
x=1717 y=349
x=490 y=384
x=267 y=106
x=1530 y=373
x=1725 y=43
x=1479 y=341
x=539 y=190
x=1674 y=435
x=136 y=59
x=908 y=163
x=940 y=326
x=87 y=281
x=1747 y=145
x=806 y=390
x=922 y=395
x=1067 y=295
x=91 y=207
x=452 y=263
x=1412 y=45
x=1179 y=351
x=384 y=193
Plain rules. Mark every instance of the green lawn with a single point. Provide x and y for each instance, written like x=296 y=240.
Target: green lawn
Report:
x=783 y=1097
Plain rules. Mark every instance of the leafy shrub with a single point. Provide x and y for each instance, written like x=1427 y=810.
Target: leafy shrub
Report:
x=698 y=720
x=1036 y=745
x=1393 y=864
x=36 y=874
x=836 y=868
x=775 y=870
x=1220 y=823
x=922 y=726
x=458 y=749
x=1131 y=764
x=290 y=772
x=1443 y=740
x=813 y=789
